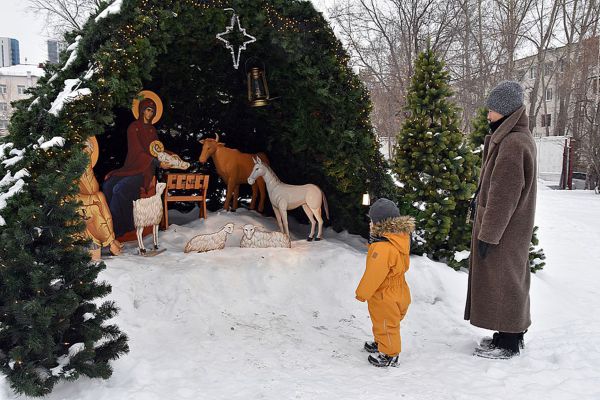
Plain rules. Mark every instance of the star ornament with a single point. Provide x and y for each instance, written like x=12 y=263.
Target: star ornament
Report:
x=235 y=20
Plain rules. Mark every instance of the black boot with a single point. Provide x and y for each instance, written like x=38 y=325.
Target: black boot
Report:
x=383 y=360
x=507 y=346
x=493 y=341
x=487 y=341
x=371 y=347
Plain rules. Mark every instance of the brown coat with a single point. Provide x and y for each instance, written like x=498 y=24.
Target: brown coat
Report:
x=498 y=293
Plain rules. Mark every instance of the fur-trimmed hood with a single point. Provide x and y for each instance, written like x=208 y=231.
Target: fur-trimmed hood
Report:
x=403 y=224
x=396 y=232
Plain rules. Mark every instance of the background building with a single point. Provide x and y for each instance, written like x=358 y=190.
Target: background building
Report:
x=9 y=52
x=54 y=49
x=14 y=82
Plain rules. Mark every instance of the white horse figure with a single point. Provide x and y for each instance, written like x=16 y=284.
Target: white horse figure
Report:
x=288 y=197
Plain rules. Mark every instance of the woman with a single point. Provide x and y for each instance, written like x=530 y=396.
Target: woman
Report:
x=499 y=275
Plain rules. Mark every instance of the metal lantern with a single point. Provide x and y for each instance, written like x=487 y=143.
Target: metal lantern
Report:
x=366 y=199
x=258 y=90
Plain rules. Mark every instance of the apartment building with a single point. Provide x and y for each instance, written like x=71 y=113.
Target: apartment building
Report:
x=9 y=52
x=553 y=72
x=54 y=49
x=14 y=82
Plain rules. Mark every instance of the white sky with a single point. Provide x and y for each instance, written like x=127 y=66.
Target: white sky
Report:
x=29 y=29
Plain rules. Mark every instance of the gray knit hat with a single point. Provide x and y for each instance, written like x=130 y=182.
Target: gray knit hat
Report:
x=506 y=98
x=383 y=209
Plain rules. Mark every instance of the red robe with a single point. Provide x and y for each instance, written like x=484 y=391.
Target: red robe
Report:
x=139 y=159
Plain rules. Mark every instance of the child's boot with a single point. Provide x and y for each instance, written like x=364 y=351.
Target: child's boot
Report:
x=383 y=360
x=371 y=347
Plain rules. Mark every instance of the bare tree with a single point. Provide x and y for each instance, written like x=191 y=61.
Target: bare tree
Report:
x=483 y=41
x=544 y=18
x=588 y=136
x=64 y=15
x=475 y=56
x=579 y=19
x=384 y=38
x=510 y=17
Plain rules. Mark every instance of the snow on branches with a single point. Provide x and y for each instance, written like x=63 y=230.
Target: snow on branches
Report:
x=114 y=8
x=70 y=92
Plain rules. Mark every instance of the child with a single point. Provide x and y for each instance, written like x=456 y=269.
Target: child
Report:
x=383 y=285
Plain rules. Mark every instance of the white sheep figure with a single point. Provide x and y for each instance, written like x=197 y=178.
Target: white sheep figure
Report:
x=148 y=212
x=209 y=241
x=257 y=238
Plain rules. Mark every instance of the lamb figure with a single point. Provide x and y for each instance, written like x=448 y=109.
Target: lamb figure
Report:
x=210 y=241
x=257 y=238
x=148 y=212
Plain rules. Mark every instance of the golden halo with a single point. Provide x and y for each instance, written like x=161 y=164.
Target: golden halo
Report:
x=93 y=150
x=147 y=94
x=156 y=147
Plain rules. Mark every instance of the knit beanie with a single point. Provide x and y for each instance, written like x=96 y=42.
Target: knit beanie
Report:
x=506 y=98
x=383 y=209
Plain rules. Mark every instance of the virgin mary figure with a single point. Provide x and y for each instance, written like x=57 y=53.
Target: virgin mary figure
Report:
x=135 y=179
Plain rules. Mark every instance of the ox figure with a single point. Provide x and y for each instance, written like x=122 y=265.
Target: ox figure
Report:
x=234 y=167
x=286 y=197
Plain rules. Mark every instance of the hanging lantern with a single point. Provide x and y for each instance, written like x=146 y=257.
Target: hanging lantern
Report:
x=258 y=90
x=366 y=199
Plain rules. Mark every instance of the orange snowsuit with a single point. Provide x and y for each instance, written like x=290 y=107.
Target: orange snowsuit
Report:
x=383 y=285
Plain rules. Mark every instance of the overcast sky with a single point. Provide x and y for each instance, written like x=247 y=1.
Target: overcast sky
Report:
x=29 y=29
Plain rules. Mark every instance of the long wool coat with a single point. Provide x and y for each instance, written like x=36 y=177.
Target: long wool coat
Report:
x=498 y=293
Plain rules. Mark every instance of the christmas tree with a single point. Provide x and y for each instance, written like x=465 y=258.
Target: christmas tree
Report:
x=481 y=128
x=316 y=129
x=52 y=326
x=536 y=255
x=435 y=165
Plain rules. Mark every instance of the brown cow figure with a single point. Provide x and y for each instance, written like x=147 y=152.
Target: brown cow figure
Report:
x=234 y=167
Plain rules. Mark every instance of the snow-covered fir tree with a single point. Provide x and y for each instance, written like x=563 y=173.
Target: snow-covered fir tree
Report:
x=433 y=162
x=481 y=128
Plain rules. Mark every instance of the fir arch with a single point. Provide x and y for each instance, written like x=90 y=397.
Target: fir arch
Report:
x=317 y=130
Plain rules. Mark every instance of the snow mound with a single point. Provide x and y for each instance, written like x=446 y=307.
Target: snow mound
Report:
x=284 y=324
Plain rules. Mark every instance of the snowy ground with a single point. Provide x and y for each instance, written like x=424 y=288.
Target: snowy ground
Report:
x=283 y=324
